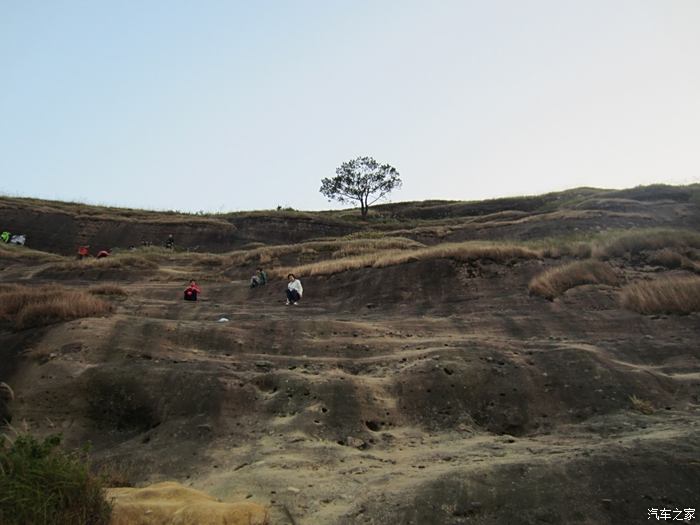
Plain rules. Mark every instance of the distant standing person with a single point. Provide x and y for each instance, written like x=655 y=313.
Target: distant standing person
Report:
x=170 y=242
x=259 y=279
x=294 y=289
x=192 y=291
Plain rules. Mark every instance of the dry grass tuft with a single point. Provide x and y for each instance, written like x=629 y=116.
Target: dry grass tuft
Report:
x=464 y=251
x=667 y=258
x=673 y=295
x=116 y=474
x=637 y=241
x=578 y=249
x=672 y=259
x=11 y=251
x=555 y=281
x=30 y=307
x=108 y=289
x=7 y=388
x=121 y=261
x=642 y=405
x=115 y=262
x=318 y=249
x=329 y=267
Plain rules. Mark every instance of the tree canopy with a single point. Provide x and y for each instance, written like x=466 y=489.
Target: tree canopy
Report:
x=362 y=179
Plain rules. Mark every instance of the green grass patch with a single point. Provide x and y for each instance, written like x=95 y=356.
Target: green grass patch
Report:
x=41 y=483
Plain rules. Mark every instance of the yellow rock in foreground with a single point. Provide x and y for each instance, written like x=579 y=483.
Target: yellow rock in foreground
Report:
x=170 y=503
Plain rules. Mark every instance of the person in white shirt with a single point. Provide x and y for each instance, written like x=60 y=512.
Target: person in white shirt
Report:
x=294 y=289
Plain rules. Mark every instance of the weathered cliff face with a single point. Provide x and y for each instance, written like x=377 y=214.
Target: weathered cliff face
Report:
x=62 y=232
x=286 y=230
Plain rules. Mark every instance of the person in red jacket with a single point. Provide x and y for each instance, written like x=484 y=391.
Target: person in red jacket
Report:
x=192 y=291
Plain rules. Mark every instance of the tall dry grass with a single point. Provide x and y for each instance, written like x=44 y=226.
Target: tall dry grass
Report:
x=30 y=307
x=114 y=262
x=331 y=248
x=108 y=289
x=11 y=251
x=673 y=295
x=672 y=259
x=463 y=251
x=555 y=281
x=667 y=258
x=621 y=244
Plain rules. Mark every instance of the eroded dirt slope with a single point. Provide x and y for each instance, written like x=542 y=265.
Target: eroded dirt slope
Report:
x=430 y=392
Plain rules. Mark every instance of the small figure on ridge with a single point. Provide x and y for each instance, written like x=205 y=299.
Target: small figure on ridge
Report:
x=259 y=279
x=192 y=291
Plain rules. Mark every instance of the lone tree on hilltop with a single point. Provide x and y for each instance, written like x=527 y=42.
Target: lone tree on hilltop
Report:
x=362 y=179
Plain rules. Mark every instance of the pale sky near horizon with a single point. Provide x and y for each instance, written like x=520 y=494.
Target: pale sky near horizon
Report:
x=227 y=105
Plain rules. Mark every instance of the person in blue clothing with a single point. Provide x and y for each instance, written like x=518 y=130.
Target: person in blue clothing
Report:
x=259 y=279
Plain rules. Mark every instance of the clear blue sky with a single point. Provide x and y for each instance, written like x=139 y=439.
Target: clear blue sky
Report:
x=225 y=105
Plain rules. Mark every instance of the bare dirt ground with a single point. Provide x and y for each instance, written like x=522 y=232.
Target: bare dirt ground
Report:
x=435 y=391
x=456 y=402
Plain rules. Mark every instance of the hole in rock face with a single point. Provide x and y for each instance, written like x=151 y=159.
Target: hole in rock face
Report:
x=324 y=410
x=374 y=426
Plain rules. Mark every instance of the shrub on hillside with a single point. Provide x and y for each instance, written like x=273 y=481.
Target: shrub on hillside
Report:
x=673 y=295
x=41 y=483
x=555 y=281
